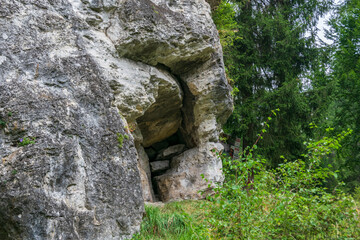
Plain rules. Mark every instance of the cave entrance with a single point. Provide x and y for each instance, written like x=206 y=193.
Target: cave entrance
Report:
x=160 y=126
x=160 y=155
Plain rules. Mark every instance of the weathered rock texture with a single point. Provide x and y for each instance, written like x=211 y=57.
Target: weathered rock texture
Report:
x=179 y=181
x=85 y=85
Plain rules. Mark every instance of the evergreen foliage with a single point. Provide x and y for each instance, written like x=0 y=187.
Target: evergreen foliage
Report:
x=267 y=53
x=346 y=73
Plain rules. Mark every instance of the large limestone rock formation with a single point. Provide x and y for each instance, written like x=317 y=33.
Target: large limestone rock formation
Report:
x=93 y=91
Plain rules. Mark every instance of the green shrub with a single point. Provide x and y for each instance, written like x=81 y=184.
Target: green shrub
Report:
x=357 y=194
x=288 y=202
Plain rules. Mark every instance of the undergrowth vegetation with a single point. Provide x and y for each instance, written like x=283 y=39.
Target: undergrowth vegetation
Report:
x=288 y=202
x=177 y=220
x=300 y=195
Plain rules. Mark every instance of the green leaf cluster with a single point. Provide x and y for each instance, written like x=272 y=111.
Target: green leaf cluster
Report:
x=26 y=141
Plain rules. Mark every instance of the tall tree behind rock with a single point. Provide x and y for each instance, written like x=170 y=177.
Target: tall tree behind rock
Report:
x=345 y=33
x=273 y=47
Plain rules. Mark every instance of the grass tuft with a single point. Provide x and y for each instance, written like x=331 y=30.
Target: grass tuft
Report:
x=174 y=221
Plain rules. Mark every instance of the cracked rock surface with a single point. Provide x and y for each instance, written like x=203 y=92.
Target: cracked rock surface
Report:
x=85 y=86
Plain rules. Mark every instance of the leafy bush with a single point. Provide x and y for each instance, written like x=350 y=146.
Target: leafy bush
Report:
x=288 y=202
x=357 y=194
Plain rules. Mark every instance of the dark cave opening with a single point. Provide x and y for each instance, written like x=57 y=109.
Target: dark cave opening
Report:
x=160 y=155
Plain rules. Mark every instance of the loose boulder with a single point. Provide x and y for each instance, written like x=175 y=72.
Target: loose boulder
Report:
x=183 y=180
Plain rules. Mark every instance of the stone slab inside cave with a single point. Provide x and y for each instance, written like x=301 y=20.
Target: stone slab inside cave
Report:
x=160 y=155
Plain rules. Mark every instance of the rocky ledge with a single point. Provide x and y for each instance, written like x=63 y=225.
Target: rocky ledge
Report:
x=105 y=104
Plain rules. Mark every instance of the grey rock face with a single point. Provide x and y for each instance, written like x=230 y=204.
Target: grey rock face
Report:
x=145 y=174
x=173 y=33
x=84 y=87
x=74 y=181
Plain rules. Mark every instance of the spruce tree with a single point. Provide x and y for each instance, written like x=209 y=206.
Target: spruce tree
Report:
x=273 y=48
x=345 y=33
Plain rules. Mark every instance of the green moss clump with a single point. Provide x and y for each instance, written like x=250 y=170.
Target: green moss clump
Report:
x=2 y=123
x=120 y=139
